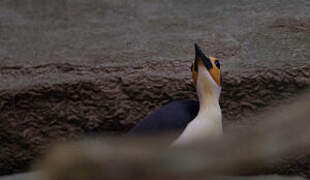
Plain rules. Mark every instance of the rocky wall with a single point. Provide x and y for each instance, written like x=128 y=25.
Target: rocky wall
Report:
x=36 y=109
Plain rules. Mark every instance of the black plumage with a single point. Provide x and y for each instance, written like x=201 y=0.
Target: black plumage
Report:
x=173 y=116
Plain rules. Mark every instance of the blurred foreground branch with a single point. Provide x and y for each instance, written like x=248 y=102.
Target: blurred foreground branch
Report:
x=282 y=135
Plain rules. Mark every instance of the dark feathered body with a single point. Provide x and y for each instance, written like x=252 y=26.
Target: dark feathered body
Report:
x=171 y=117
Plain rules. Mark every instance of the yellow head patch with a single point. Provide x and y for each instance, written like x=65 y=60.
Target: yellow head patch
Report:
x=211 y=64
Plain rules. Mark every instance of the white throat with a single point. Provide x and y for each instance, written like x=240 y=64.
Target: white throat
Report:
x=208 y=123
x=216 y=88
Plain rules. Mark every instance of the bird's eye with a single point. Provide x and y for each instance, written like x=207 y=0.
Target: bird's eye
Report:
x=217 y=63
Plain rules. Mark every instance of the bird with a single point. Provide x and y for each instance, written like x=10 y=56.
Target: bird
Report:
x=176 y=115
x=208 y=123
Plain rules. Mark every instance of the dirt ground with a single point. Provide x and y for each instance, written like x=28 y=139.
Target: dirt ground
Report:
x=75 y=68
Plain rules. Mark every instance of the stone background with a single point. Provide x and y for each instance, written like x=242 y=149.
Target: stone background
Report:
x=75 y=68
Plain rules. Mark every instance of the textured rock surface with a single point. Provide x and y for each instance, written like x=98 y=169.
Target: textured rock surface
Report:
x=244 y=33
x=70 y=68
x=89 y=100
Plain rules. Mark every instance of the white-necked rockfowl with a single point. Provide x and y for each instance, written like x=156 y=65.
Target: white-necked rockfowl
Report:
x=176 y=115
x=208 y=122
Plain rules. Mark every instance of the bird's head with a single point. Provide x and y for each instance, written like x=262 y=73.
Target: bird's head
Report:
x=210 y=70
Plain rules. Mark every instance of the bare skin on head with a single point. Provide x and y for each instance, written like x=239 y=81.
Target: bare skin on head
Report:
x=208 y=123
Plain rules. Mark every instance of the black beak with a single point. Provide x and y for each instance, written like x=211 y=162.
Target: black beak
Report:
x=199 y=55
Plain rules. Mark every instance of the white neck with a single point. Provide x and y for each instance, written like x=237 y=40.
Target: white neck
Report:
x=217 y=89
x=208 y=123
